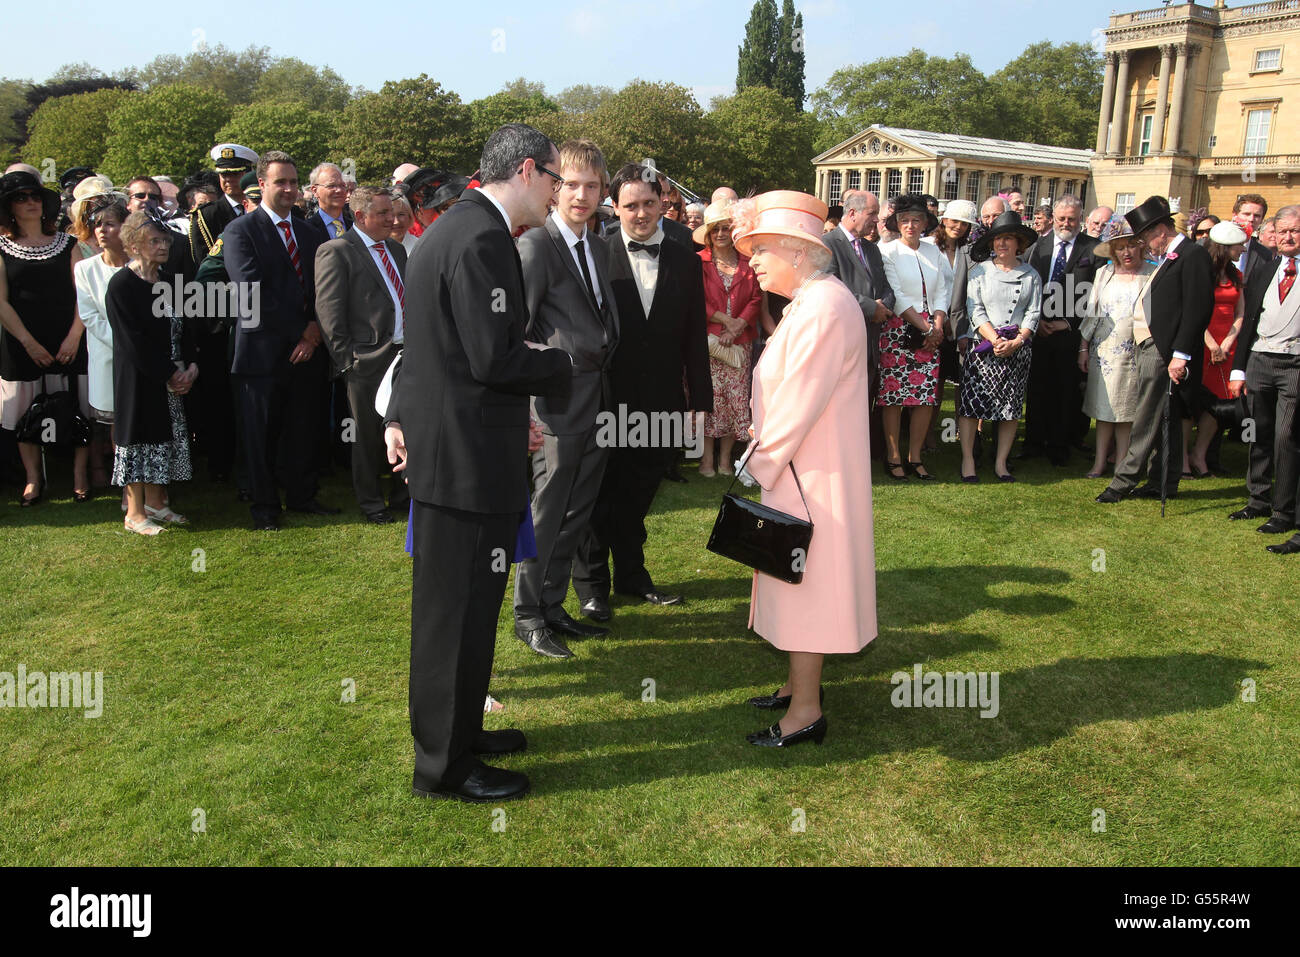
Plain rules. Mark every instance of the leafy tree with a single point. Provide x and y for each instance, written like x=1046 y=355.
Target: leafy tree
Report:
x=73 y=130
x=1051 y=94
x=234 y=75
x=766 y=142
x=487 y=114
x=788 y=70
x=756 y=61
x=38 y=94
x=164 y=131
x=13 y=98
x=661 y=121
x=914 y=91
x=524 y=89
x=582 y=97
x=76 y=72
x=303 y=133
x=407 y=121
x=290 y=80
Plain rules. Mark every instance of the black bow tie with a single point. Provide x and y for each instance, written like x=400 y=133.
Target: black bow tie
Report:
x=651 y=248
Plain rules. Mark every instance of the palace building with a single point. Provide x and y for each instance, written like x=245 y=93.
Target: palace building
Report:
x=886 y=160
x=1195 y=106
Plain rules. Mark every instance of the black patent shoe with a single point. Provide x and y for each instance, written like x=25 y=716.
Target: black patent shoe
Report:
x=777 y=701
x=773 y=738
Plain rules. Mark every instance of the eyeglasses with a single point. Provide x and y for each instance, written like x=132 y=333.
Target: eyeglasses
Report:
x=156 y=197
x=559 y=180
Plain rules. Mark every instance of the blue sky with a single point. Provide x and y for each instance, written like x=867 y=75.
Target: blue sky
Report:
x=609 y=42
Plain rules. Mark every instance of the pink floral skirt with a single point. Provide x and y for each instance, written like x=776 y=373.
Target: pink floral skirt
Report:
x=907 y=376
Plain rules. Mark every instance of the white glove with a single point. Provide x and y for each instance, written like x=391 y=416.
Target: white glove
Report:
x=743 y=476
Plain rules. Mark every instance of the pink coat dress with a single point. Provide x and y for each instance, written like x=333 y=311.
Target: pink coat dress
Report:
x=811 y=404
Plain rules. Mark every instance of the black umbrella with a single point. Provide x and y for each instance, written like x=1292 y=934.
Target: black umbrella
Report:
x=1164 y=446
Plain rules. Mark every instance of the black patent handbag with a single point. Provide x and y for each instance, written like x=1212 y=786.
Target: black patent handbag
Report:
x=764 y=538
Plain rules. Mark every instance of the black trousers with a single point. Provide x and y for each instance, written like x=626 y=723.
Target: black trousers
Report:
x=1272 y=382
x=462 y=562
x=1052 y=414
x=277 y=412
x=368 y=460
x=216 y=402
x=617 y=527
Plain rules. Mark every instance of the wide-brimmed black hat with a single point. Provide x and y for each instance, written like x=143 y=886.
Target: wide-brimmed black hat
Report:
x=425 y=178
x=1152 y=212
x=910 y=203
x=445 y=193
x=20 y=181
x=1009 y=223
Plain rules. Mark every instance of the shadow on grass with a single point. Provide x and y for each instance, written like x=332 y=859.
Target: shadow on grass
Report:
x=1038 y=705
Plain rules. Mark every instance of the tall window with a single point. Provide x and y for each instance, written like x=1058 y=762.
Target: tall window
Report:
x=873 y=182
x=1015 y=180
x=855 y=179
x=1268 y=59
x=1144 y=141
x=952 y=183
x=973 y=186
x=1083 y=192
x=1123 y=203
x=915 y=180
x=833 y=191
x=1258 y=123
x=1069 y=188
x=893 y=183
x=1054 y=189
x=995 y=183
x=1032 y=199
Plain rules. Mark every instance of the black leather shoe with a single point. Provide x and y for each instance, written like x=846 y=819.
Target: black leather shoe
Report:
x=1059 y=458
x=1250 y=511
x=266 y=525
x=1109 y=496
x=314 y=507
x=772 y=737
x=563 y=624
x=1150 y=491
x=1289 y=547
x=505 y=741
x=544 y=642
x=673 y=475
x=484 y=785
x=1276 y=526
x=658 y=598
x=777 y=701
x=597 y=609
x=379 y=518
x=244 y=495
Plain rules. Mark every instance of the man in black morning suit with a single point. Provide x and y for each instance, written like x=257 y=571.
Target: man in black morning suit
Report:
x=659 y=292
x=458 y=424
x=1267 y=368
x=570 y=306
x=278 y=362
x=1064 y=262
x=1170 y=343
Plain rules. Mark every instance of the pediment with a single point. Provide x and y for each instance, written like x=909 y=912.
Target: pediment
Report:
x=874 y=146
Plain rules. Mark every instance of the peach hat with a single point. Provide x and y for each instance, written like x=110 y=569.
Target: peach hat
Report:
x=782 y=212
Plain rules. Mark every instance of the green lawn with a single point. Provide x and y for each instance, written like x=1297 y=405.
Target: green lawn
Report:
x=1120 y=690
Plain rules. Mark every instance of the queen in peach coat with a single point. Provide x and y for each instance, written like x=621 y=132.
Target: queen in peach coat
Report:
x=811 y=406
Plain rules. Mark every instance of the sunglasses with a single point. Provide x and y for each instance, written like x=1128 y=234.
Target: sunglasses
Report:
x=672 y=205
x=1202 y=232
x=27 y=197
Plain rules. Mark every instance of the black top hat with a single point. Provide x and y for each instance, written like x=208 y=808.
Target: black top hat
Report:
x=74 y=176
x=1008 y=223
x=910 y=203
x=1154 y=211
x=448 y=191
x=21 y=181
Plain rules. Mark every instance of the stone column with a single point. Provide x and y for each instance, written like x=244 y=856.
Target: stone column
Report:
x=1181 y=69
x=1120 y=111
x=1107 y=103
x=1162 y=99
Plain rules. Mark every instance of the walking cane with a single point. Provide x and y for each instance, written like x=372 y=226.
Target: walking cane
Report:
x=1164 y=445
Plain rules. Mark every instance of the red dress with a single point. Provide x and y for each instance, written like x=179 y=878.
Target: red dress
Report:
x=1216 y=376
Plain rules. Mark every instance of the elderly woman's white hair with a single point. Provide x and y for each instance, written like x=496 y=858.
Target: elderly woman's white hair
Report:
x=817 y=254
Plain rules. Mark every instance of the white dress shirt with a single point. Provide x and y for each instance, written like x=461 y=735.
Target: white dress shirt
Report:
x=398 y=316
x=572 y=241
x=644 y=266
x=500 y=209
x=276 y=220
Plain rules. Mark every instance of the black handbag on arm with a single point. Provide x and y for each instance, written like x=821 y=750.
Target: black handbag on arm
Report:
x=54 y=420
x=764 y=538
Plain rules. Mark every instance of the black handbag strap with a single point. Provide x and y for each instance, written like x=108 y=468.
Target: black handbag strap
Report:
x=799 y=485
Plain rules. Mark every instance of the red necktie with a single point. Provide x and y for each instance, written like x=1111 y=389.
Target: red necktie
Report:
x=293 y=250
x=395 y=279
x=1288 y=278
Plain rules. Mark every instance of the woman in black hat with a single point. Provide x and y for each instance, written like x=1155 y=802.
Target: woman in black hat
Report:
x=43 y=335
x=909 y=343
x=1004 y=300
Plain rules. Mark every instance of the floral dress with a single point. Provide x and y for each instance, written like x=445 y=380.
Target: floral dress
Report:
x=1112 y=391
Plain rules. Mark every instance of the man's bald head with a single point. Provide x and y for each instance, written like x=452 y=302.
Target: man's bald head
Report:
x=993 y=207
x=723 y=194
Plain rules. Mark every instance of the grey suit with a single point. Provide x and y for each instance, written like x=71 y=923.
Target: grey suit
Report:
x=568 y=468
x=357 y=318
x=867 y=282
